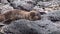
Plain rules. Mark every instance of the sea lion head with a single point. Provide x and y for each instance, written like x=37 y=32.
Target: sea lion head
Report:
x=34 y=15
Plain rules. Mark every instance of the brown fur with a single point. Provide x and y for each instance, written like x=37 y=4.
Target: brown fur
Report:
x=2 y=17
x=21 y=14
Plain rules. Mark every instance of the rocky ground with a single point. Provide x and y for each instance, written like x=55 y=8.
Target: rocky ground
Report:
x=50 y=17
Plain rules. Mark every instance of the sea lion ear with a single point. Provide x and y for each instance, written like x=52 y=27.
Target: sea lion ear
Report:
x=32 y=13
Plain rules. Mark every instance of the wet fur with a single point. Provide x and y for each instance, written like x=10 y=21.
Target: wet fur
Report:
x=21 y=14
x=15 y=14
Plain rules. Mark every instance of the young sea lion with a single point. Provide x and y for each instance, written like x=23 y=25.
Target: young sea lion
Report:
x=21 y=14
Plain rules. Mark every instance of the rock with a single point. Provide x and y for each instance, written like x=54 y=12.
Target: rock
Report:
x=23 y=26
x=32 y=1
x=19 y=27
x=54 y=15
x=50 y=5
x=38 y=9
x=43 y=4
x=1 y=33
x=10 y=1
x=5 y=8
x=24 y=4
x=28 y=1
x=55 y=32
x=4 y=2
x=45 y=0
x=49 y=23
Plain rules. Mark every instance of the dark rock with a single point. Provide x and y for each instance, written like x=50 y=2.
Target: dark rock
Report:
x=24 y=4
x=23 y=26
x=1 y=33
x=19 y=27
x=54 y=16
